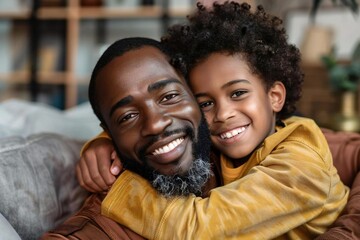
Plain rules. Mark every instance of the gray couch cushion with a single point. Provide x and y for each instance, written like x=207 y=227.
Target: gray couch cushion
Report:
x=6 y=230
x=38 y=183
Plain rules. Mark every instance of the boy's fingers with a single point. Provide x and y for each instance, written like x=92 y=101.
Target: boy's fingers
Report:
x=83 y=177
x=113 y=155
x=104 y=165
x=116 y=167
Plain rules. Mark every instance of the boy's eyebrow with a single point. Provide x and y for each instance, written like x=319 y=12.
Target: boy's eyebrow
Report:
x=122 y=102
x=162 y=84
x=223 y=86
x=232 y=82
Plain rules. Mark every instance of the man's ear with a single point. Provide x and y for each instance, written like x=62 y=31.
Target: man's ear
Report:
x=103 y=126
x=277 y=96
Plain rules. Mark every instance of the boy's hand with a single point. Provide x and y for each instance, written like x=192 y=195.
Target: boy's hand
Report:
x=94 y=171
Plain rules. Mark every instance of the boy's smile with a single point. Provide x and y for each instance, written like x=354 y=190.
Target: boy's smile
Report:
x=233 y=134
x=239 y=110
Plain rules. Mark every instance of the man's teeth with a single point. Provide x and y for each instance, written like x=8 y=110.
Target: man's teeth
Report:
x=232 y=133
x=167 y=148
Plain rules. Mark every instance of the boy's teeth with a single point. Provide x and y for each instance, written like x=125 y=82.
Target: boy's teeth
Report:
x=232 y=133
x=167 y=148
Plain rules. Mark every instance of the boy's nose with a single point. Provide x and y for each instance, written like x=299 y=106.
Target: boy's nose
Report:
x=223 y=112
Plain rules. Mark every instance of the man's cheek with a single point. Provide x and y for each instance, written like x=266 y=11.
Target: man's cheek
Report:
x=125 y=148
x=190 y=110
x=208 y=117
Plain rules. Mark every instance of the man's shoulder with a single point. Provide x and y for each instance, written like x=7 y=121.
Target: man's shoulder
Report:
x=88 y=223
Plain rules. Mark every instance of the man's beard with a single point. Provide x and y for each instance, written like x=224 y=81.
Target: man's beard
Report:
x=183 y=185
x=180 y=185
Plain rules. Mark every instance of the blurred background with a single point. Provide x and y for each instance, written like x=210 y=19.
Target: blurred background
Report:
x=48 y=48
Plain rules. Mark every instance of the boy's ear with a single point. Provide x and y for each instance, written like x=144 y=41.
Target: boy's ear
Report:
x=277 y=95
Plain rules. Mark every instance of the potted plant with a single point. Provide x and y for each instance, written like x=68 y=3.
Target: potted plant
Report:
x=351 y=4
x=318 y=38
x=345 y=80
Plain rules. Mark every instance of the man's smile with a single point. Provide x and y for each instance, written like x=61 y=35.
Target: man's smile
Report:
x=168 y=147
x=167 y=150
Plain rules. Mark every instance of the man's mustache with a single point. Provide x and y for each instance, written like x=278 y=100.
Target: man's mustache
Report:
x=188 y=131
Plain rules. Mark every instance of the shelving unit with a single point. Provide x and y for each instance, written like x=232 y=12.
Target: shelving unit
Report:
x=72 y=15
x=318 y=101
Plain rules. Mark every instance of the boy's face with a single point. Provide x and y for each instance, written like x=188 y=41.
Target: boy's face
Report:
x=149 y=111
x=239 y=111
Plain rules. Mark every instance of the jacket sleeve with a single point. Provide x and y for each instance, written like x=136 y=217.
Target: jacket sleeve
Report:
x=89 y=224
x=280 y=194
x=86 y=145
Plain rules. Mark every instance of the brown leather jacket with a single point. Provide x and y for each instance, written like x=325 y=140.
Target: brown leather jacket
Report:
x=88 y=223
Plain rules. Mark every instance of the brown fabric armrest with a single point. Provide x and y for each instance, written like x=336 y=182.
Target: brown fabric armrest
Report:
x=347 y=226
x=345 y=148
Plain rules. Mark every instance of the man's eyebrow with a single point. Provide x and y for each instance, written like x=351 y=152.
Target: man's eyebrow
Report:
x=162 y=84
x=124 y=101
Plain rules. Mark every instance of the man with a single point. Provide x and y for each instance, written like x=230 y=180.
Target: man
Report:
x=147 y=108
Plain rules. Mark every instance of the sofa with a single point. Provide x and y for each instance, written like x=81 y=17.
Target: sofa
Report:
x=39 y=189
x=39 y=147
x=345 y=148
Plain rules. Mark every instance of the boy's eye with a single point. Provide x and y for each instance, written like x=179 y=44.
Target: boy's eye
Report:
x=238 y=93
x=127 y=117
x=206 y=105
x=168 y=97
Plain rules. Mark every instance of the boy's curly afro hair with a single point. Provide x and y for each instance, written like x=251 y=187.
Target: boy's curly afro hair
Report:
x=231 y=28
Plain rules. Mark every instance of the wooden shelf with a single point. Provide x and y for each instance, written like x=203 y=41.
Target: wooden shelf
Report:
x=103 y=13
x=52 y=77
x=15 y=77
x=13 y=15
x=180 y=12
x=120 y=12
x=52 y=13
x=318 y=100
x=73 y=14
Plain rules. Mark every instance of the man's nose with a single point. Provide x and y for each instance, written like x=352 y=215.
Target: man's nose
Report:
x=155 y=121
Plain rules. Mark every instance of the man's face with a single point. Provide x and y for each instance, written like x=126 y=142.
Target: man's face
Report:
x=150 y=113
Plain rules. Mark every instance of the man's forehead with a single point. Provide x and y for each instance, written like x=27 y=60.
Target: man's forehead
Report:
x=145 y=60
x=136 y=73
x=141 y=63
x=148 y=65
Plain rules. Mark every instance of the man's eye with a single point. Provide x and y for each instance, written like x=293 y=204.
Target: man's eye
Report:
x=238 y=93
x=206 y=105
x=127 y=117
x=169 y=97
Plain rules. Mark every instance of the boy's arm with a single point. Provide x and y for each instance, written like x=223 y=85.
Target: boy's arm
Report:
x=98 y=164
x=102 y=135
x=275 y=197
